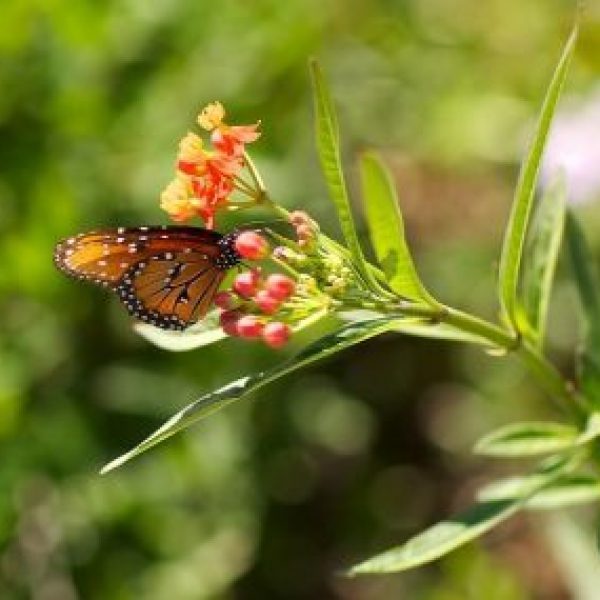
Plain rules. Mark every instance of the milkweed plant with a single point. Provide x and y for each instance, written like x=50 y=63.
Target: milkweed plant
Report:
x=290 y=280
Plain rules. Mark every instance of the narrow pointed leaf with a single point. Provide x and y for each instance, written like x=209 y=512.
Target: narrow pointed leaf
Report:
x=241 y=388
x=417 y=327
x=440 y=539
x=328 y=146
x=439 y=331
x=386 y=228
x=568 y=490
x=201 y=334
x=527 y=439
x=516 y=230
x=543 y=255
x=586 y=281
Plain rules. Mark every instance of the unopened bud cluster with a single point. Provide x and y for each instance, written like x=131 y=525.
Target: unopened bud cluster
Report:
x=327 y=269
x=222 y=177
x=306 y=230
x=249 y=310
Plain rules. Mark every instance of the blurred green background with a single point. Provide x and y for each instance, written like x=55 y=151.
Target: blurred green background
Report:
x=272 y=497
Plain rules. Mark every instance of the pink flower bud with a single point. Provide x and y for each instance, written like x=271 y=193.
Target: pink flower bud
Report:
x=245 y=284
x=280 y=253
x=304 y=232
x=251 y=245
x=280 y=286
x=249 y=326
x=229 y=322
x=267 y=303
x=224 y=300
x=276 y=334
x=299 y=217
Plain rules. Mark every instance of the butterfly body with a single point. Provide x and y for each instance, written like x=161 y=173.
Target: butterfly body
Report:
x=165 y=276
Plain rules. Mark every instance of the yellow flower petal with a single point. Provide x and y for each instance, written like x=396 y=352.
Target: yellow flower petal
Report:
x=191 y=148
x=175 y=199
x=212 y=116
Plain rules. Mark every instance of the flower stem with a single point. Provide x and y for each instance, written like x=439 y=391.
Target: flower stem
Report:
x=242 y=185
x=538 y=365
x=546 y=374
x=255 y=175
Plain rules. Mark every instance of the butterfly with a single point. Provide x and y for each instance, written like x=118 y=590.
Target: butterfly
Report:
x=165 y=276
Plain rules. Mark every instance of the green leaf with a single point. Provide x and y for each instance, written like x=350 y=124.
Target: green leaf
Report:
x=592 y=429
x=236 y=390
x=543 y=255
x=527 y=439
x=584 y=270
x=568 y=490
x=386 y=229
x=439 y=331
x=516 y=230
x=328 y=146
x=416 y=326
x=456 y=531
x=440 y=539
x=201 y=334
x=588 y=288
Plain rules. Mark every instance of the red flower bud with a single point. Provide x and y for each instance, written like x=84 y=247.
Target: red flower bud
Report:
x=229 y=322
x=280 y=286
x=276 y=334
x=245 y=284
x=249 y=326
x=267 y=303
x=251 y=245
x=224 y=300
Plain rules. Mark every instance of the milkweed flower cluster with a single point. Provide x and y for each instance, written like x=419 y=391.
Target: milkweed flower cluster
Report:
x=249 y=310
x=206 y=178
x=259 y=304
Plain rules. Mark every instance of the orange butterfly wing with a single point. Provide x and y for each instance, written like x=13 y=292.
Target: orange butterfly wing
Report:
x=166 y=276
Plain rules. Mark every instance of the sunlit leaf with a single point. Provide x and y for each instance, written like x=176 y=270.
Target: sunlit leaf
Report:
x=440 y=539
x=417 y=327
x=241 y=388
x=439 y=331
x=568 y=490
x=201 y=334
x=328 y=146
x=527 y=439
x=588 y=287
x=386 y=228
x=516 y=230
x=542 y=256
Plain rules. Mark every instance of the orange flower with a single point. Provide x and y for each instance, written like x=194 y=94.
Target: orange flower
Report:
x=175 y=200
x=231 y=140
x=206 y=178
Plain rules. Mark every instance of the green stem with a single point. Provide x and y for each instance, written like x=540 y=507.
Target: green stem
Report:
x=538 y=365
x=471 y=324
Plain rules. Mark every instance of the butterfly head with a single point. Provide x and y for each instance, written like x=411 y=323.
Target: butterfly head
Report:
x=229 y=256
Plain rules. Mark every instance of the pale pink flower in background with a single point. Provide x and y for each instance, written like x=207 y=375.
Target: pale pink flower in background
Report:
x=574 y=147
